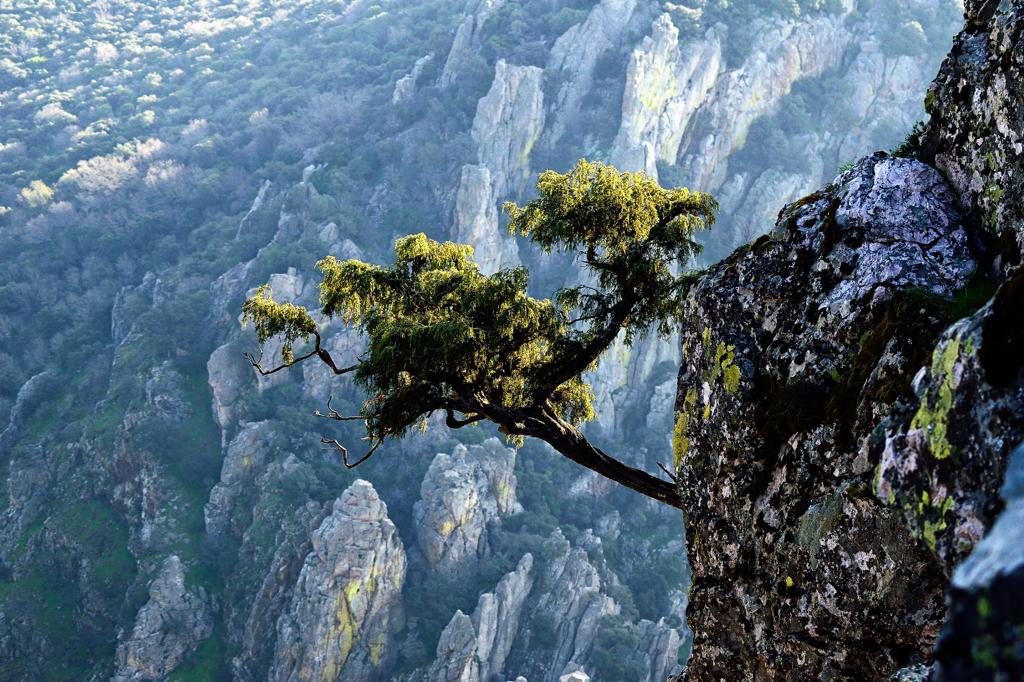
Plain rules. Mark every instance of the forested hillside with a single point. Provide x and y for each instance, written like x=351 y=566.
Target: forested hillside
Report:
x=167 y=513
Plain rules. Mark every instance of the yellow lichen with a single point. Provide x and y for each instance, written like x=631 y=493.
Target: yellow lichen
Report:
x=931 y=418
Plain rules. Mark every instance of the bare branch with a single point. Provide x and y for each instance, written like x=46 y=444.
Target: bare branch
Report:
x=337 y=416
x=672 y=477
x=258 y=362
x=335 y=445
x=318 y=351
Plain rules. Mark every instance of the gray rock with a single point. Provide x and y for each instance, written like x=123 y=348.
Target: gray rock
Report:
x=575 y=54
x=246 y=455
x=165 y=393
x=346 y=603
x=467 y=37
x=509 y=120
x=476 y=221
x=783 y=52
x=461 y=494
x=167 y=628
x=983 y=636
x=475 y=649
x=228 y=375
x=823 y=318
x=405 y=87
x=665 y=86
x=975 y=130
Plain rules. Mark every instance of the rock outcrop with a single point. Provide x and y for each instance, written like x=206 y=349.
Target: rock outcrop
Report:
x=474 y=649
x=167 y=628
x=784 y=52
x=847 y=406
x=461 y=494
x=346 y=602
x=405 y=87
x=508 y=122
x=467 y=37
x=984 y=631
x=247 y=454
x=977 y=126
x=792 y=350
x=574 y=57
x=665 y=86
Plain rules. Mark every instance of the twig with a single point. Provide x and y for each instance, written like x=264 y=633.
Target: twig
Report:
x=337 y=416
x=344 y=451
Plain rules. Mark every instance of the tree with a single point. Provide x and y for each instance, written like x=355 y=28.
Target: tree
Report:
x=442 y=337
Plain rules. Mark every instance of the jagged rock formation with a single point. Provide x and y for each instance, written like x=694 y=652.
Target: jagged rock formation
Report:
x=273 y=550
x=167 y=628
x=461 y=494
x=467 y=37
x=574 y=57
x=476 y=221
x=508 y=122
x=475 y=649
x=405 y=87
x=780 y=363
x=346 y=604
x=246 y=455
x=509 y=119
x=665 y=86
x=976 y=128
x=785 y=51
x=841 y=435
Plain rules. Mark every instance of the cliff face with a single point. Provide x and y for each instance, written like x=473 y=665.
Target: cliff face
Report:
x=167 y=512
x=850 y=392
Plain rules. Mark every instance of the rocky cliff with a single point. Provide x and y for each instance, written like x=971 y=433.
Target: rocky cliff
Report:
x=168 y=513
x=851 y=390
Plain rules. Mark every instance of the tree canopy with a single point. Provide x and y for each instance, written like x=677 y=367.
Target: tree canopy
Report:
x=442 y=336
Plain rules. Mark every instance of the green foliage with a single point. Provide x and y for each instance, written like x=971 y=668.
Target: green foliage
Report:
x=441 y=333
x=271 y=319
x=615 y=648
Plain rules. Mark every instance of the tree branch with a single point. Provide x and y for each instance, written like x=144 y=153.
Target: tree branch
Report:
x=337 y=416
x=544 y=424
x=318 y=351
x=335 y=445
x=258 y=362
x=454 y=423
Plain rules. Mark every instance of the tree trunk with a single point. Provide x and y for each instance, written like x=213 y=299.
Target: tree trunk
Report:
x=571 y=443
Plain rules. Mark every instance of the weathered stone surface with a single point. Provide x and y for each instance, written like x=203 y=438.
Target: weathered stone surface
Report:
x=976 y=130
x=793 y=350
x=346 y=602
x=984 y=637
x=461 y=494
x=405 y=87
x=228 y=375
x=570 y=605
x=467 y=37
x=574 y=57
x=509 y=120
x=271 y=556
x=664 y=89
x=475 y=649
x=167 y=628
x=247 y=454
x=476 y=221
x=784 y=52
x=165 y=393
x=944 y=467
